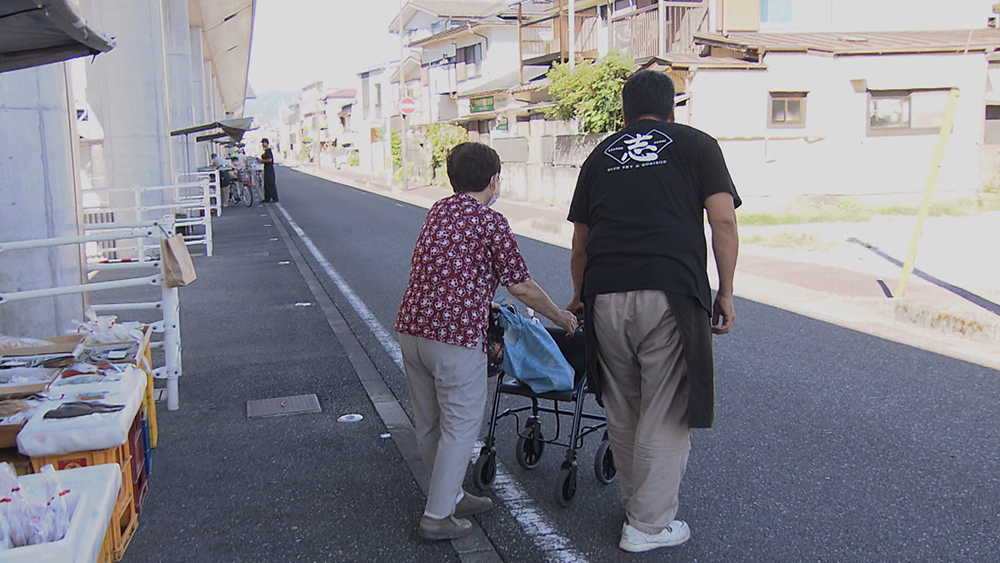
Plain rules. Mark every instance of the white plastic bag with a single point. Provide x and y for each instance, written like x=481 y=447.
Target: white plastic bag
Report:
x=5 y=486
x=12 y=502
x=33 y=516
x=56 y=519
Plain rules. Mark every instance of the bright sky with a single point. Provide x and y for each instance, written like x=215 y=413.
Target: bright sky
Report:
x=297 y=42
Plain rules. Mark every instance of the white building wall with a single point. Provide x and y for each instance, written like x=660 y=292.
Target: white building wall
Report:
x=833 y=153
x=882 y=15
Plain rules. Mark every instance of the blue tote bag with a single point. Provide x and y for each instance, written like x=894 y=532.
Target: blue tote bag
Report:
x=531 y=355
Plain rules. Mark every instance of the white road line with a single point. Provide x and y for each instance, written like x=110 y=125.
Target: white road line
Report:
x=555 y=547
x=383 y=336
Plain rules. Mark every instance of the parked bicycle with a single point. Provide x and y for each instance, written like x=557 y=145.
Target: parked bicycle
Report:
x=239 y=190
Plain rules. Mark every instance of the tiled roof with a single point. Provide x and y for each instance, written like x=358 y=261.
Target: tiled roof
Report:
x=859 y=43
x=345 y=93
x=685 y=61
x=504 y=83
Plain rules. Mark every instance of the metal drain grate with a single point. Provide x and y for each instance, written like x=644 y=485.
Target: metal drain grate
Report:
x=280 y=406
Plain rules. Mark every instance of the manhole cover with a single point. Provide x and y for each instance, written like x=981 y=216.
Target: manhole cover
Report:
x=280 y=406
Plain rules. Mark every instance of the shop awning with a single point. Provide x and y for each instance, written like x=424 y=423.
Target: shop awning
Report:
x=39 y=32
x=234 y=128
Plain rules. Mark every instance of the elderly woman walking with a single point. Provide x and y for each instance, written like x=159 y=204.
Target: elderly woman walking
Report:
x=464 y=252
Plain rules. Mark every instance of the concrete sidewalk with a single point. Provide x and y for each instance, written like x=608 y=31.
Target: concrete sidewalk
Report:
x=308 y=487
x=836 y=272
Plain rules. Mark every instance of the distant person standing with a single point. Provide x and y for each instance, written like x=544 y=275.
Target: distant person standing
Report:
x=267 y=157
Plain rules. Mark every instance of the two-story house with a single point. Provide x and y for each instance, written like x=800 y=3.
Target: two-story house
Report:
x=370 y=118
x=456 y=47
x=841 y=97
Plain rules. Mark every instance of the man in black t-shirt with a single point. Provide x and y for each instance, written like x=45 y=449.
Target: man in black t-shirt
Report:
x=267 y=157
x=639 y=266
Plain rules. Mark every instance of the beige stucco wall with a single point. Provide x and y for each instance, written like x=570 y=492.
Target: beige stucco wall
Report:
x=834 y=153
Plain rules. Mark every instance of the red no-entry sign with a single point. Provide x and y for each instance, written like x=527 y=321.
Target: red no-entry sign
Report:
x=407 y=106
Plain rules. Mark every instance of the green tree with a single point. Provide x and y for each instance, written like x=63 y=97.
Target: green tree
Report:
x=396 y=148
x=591 y=92
x=442 y=137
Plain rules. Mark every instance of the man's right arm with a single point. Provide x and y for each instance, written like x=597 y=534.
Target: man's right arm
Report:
x=725 y=246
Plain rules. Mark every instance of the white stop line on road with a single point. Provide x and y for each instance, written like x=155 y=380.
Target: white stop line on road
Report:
x=555 y=547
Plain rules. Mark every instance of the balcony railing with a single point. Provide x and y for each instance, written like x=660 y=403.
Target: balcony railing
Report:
x=637 y=33
x=547 y=39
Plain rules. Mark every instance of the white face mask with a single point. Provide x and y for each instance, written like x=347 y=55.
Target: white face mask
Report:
x=496 y=194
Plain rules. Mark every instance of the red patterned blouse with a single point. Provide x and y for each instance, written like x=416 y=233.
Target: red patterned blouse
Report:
x=464 y=252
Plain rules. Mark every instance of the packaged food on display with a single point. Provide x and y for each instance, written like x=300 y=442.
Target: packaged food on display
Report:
x=25 y=381
x=84 y=373
x=106 y=330
x=15 y=343
x=34 y=515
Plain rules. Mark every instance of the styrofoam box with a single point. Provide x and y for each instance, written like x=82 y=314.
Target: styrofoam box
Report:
x=90 y=502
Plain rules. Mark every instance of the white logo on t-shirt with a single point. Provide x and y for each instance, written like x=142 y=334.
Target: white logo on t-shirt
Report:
x=641 y=147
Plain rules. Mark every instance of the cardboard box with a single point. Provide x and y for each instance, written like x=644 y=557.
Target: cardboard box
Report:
x=8 y=435
x=60 y=345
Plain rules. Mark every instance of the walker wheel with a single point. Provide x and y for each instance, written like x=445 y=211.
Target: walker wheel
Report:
x=604 y=463
x=529 y=450
x=566 y=486
x=485 y=469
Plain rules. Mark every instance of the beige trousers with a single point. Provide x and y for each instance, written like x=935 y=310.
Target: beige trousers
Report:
x=448 y=391
x=645 y=395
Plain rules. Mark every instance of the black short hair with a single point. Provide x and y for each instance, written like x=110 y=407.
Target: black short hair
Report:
x=264 y=140
x=471 y=166
x=648 y=92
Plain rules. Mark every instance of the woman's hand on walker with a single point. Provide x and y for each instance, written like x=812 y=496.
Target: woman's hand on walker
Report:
x=568 y=321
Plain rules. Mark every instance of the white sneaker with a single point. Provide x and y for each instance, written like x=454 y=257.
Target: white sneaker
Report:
x=634 y=541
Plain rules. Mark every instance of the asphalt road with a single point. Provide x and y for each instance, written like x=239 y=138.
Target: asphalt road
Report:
x=829 y=445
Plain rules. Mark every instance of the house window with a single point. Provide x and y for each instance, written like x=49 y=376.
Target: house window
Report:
x=906 y=111
x=470 y=59
x=365 y=96
x=775 y=10
x=788 y=109
x=378 y=101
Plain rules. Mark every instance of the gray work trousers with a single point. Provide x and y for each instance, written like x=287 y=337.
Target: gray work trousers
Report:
x=645 y=394
x=448 y=390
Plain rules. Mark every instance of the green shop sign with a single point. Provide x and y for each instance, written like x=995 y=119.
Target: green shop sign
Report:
x=481 y=104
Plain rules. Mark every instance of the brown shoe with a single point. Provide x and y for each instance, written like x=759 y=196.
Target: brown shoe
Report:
x=449 y=528
x=470 y=505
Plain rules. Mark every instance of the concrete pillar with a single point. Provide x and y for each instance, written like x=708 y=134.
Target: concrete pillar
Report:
x=197 y=75
x=198 y=94
x=209 y=79
x=127 y=89
x=177 y=46
x=39 y=191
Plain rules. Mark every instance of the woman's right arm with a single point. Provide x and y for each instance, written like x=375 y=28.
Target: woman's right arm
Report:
x=532 y=295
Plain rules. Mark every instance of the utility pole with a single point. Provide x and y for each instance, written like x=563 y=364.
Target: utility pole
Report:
x=402 y=94
x=572 y=33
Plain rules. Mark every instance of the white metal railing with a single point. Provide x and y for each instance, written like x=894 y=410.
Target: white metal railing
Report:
x=186 y=206
x=169 y=300
x=214 y=193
